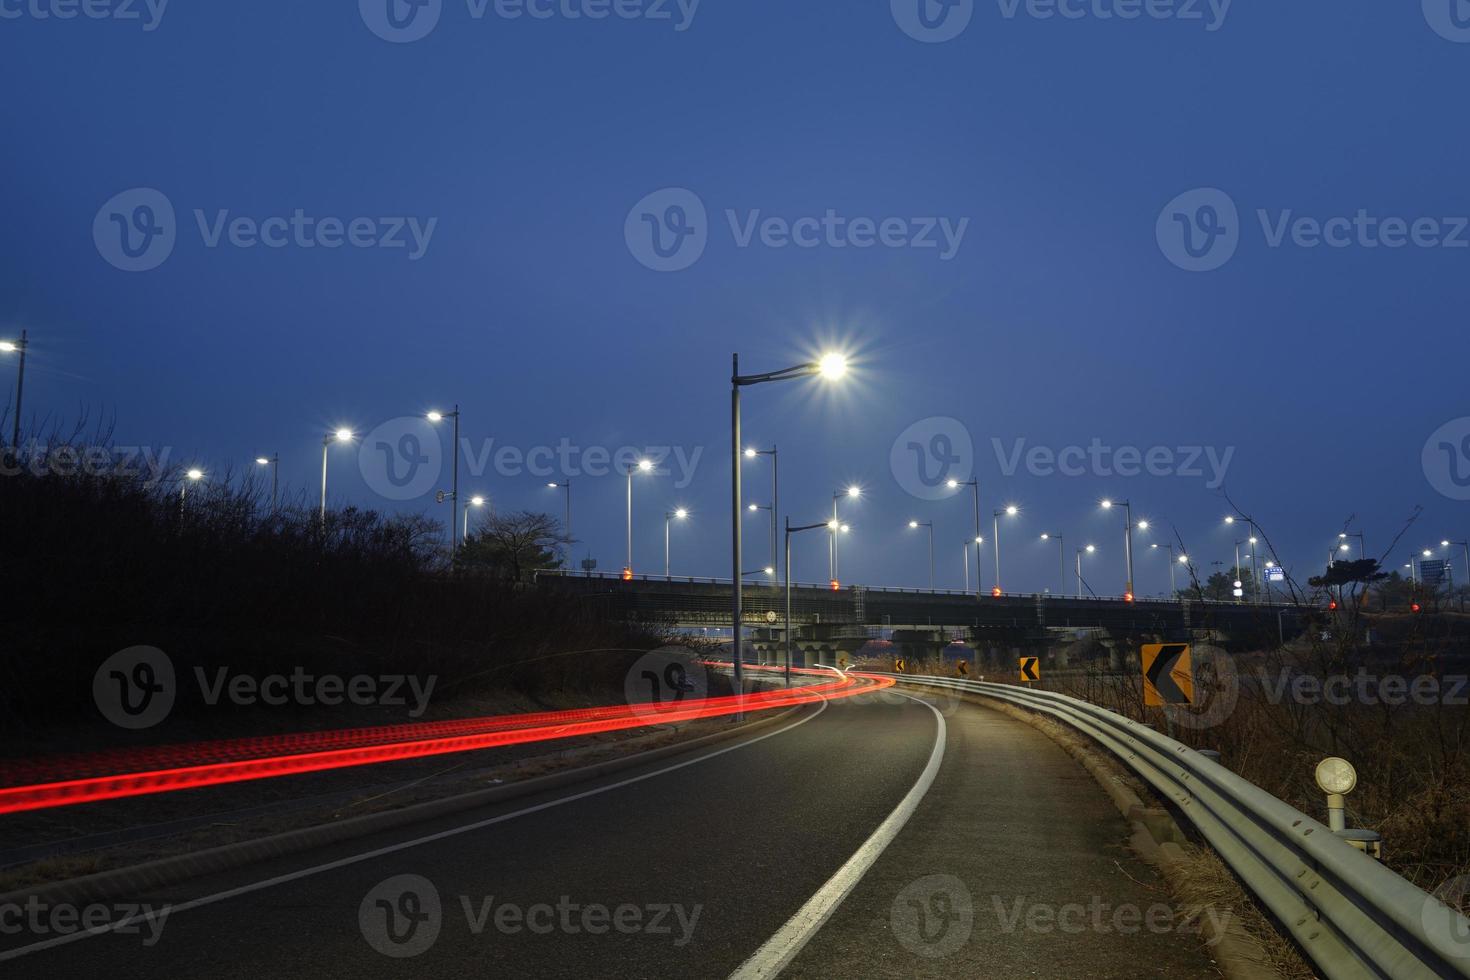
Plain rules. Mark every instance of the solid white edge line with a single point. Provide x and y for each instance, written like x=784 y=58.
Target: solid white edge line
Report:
x=781 y=949
x=394 y=848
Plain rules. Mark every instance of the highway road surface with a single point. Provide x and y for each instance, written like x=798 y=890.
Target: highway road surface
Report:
x=884 y=836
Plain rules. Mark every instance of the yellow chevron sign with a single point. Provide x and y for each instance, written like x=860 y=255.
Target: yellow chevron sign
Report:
x=1030 y=669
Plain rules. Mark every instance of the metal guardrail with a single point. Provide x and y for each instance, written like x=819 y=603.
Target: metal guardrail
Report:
x=1351 y=916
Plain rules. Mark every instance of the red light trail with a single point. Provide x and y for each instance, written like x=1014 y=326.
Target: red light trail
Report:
x=163 y=769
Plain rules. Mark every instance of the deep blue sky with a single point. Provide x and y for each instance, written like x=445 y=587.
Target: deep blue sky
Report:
x=1059 y=320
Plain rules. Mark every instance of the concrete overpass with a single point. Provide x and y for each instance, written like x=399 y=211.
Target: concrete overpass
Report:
x=920 y=622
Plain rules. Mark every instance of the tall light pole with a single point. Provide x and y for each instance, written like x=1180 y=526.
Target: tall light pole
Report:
x=17 y=347
x=475 y=501
x=643 y=466
x=752 y=453
x=436 y=418
x=1173 y=587
x=832 y=366
x=341 y=435
x=930 y=525
x=974 y=486
x=566 y=524
x=1127 y=542
x=1061 y=561
x=1344 y=535
x=787 y=577
x=1254 y=536
x=1089 y=549
x=274 y=462
x=1465 y=545
x=853 y=492
x=978 y=542
x=674 y=515
x=756 y=509
x=190 y=476
x=1010 y=511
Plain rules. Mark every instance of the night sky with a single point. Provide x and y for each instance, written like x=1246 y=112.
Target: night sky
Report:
x=523 y=150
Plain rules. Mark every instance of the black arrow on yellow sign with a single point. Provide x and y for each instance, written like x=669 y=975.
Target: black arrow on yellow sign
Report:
x=1160 y=674
x=1030 y=669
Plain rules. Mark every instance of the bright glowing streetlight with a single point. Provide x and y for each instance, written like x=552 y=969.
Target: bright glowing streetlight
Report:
x=752 y=453
x=1127 y=543
x=831 y=366
x=974 y=485
x=475 y=501
x=1090 y=549
x=274 y=462
x=1010 y=510
x=436 y=418
x=642 y=466
x=852 y=493
x=342 y=435
x=17 y=347
x=1061 y=560
x=678 y=514
x=567 y=522
x=915 y=525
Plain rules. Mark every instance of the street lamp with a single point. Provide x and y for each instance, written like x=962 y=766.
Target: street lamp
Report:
x=566 y=524
x=17 y=347
x=1061 y=561
x=756 y=509
x=1127 y=542
x=643 y=466
x=1466 y=545
x=341 y=435
x=974 y=485
x=915 y=525
x=852 y=492
x=1010 y=510
x=1344 y=535
x=1089 y=550
x=753 y=453
x=832 y=529
x=436 y=418
x=978 y=542
x=190 y=476
x=1173 y=586
x=475 y=501
x=274 y=462
x=675 y=515
x=830 y=367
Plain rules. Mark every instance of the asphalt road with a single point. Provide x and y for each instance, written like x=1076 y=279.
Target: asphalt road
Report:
x=695 y=866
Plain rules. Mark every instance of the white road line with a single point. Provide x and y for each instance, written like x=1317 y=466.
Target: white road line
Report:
x=781 y=949
x=394 y=848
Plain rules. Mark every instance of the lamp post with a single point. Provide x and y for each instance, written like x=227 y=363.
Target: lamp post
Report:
x=1089 y=549
x=1061 y=561
x=566 y=524
x=852 y=492
x=643 y=466
x=756 y=509
x=17 y=347
x=190 y=476
x=751 y=453
x=1010 y=511
x=787 y=584
x=1127 y=542
x=274 y=462
x=974 y=486
x=436 y=418
x=1343 y=536
x=832 y=366
x=1254 y=538
x=675 y=515
x=978 y=542
x=1173 y=587
x=475 y=501
x=930 y=525
x=1465 y=545
x=341 y=435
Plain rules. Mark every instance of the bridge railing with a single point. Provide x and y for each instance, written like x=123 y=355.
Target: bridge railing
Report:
x=1352 y=916
x=755 y=583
